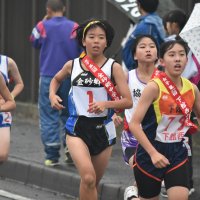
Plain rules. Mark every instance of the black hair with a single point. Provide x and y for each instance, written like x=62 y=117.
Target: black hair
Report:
x=166 y=46
x=149 y=5
x=83 y=28
x=164 y=21
x=138 y=39
x=55 y=5
x=178 y=16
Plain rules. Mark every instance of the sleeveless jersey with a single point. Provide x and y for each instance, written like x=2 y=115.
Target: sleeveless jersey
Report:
x=4 y=67
x=5 y=117
x=136 y=87
x=86 y=88
x=169 y=119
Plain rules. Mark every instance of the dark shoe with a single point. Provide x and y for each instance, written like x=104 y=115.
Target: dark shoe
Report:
x=68 y=158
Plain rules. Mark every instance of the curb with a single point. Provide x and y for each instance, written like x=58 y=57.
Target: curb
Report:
x=54 y=179
x=34 y=174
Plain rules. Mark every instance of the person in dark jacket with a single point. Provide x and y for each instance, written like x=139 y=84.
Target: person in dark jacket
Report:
x=150 y=23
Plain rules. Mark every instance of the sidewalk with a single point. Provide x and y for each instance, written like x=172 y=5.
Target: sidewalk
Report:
x=26 y=159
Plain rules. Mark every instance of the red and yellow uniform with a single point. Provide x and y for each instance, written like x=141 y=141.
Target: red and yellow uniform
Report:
x=164 y=125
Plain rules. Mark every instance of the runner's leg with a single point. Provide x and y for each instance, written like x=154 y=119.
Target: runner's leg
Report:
x=77 y=149
x=4 y=143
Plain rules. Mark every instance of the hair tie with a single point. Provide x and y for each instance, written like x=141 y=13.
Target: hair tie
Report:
x=88 y=25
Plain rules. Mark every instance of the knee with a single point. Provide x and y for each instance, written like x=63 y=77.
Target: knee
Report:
x=89 y=180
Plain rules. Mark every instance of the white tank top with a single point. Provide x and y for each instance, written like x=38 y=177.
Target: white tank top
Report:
x=4 y=66
x=86 y=88
x=136 y=87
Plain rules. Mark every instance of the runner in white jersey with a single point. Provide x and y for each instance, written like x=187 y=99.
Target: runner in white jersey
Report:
x=89 y=129
x=145 y=53
x=88 y=87
x=136 y=86
x=11 y=74
x=7 y=103
x=5 y=117
x=84 y=84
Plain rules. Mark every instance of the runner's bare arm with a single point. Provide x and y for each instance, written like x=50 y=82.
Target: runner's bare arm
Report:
x=149 y=94
x=196 y=107
x=14 y=74
x=122 y=87
x=64 y=73
x=8 y=104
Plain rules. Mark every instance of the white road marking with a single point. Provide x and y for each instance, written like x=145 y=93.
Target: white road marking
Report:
x=12 y=196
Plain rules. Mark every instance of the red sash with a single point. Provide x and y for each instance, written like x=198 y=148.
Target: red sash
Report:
x=174 y=92
x=102 y=77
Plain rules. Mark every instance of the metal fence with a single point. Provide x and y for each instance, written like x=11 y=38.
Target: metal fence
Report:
x=17 y=18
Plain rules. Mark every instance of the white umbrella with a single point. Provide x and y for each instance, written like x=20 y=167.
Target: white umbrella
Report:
x=191 y=31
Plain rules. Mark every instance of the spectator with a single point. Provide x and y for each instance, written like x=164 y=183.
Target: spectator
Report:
x=11 y=74
x=150 y=23
x=173 y=22
x=53 y=36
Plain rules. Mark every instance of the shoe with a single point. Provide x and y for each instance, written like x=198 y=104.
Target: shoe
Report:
x=130 y=192
x=51 y=163
x=164 y=193
x=68 y=158
x=163 y=184
x=192 y=190
x=163 y=190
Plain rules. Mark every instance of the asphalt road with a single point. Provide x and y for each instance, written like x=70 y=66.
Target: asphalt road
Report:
x=10 y=189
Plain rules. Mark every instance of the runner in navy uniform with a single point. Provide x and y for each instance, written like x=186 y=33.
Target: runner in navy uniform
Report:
x=162 y=154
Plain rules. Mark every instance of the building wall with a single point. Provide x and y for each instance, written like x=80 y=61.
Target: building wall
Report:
x=17 y=18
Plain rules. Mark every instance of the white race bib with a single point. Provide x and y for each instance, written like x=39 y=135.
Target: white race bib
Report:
x=171 y=129
x=84 y=95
